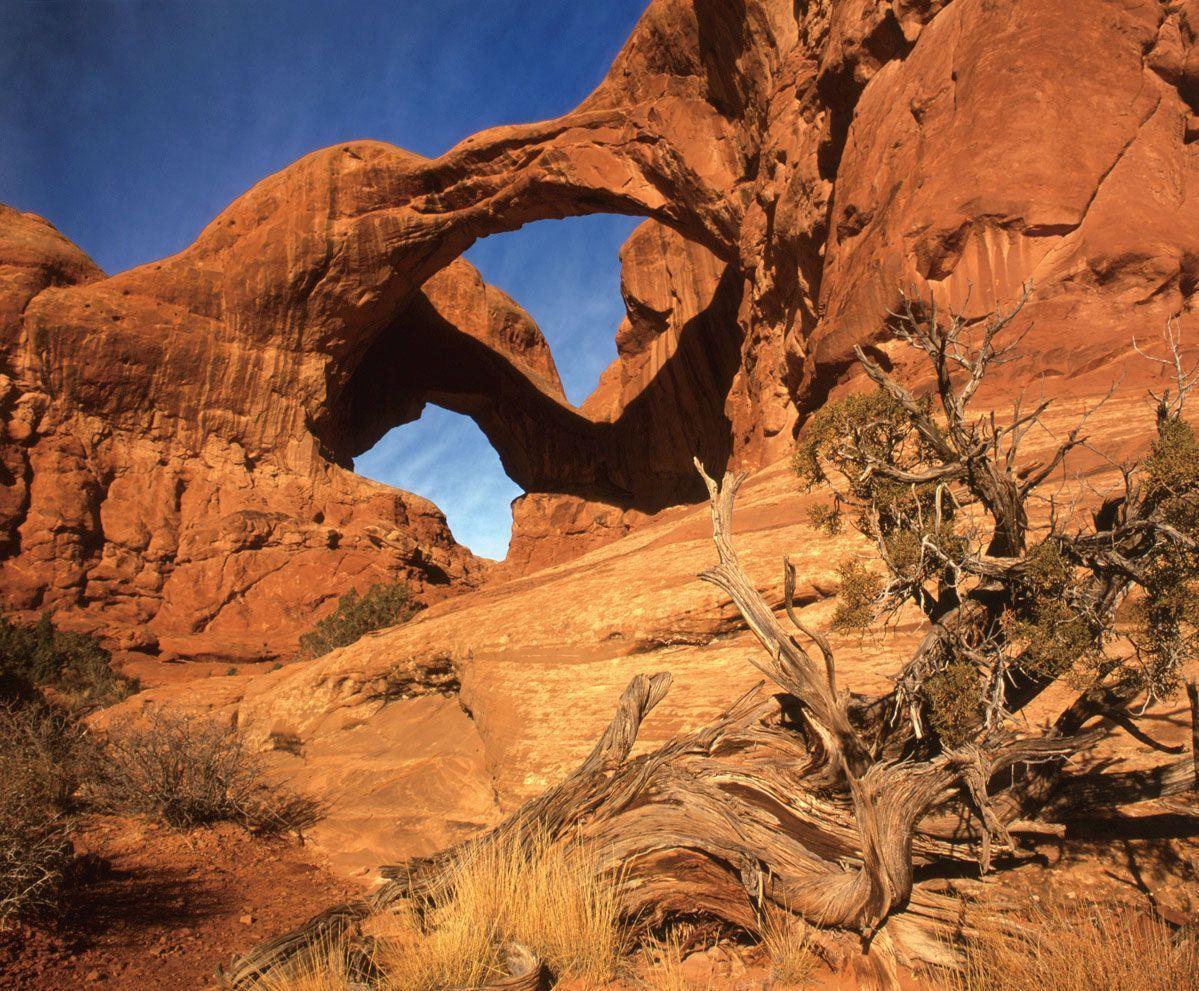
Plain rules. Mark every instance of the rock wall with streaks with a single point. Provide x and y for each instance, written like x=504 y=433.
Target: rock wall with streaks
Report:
x=176 y=442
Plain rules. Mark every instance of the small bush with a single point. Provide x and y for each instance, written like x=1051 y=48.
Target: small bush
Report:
x=189 y=771
x=382 y=606
x=1099 y=949
x=858 y=592
x=73 y=666
x=42 y=757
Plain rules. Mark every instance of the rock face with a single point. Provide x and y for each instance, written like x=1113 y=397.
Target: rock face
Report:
x=176 y=442
x=148 y=488
x=421 y=735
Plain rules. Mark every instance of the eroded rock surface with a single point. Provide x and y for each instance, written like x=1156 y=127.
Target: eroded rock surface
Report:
x=420 y=735
x=176 y=442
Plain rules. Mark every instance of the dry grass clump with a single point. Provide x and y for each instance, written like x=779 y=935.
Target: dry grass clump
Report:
x=189 y=771
x=42 y=753
x=788 y=940
x=665 y=972
x=546 y=898
x=326 y=968
x=1099 y=948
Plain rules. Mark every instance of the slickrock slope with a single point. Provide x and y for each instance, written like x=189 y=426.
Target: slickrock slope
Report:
x=177 y=439
x=419 y=735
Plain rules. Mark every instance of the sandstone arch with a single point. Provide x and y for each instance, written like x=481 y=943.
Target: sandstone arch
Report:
x=627 y=445
x=262 y=401
x=205 y=406
x=797 y=163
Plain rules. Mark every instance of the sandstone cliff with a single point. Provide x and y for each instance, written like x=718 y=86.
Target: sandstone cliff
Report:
x=176 y=440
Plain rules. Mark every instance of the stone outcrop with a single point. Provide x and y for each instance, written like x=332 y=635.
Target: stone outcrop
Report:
x=423 y=734
x=149 y=491
x=176 y=442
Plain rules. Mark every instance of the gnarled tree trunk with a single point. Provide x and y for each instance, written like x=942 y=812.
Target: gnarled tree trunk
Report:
x=781 y=800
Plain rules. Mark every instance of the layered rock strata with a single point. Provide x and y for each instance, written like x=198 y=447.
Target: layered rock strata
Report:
x=176 y=441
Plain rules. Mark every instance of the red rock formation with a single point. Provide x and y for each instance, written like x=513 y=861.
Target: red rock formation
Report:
x=178 y=438
x=147 y=491
x=1043 y=141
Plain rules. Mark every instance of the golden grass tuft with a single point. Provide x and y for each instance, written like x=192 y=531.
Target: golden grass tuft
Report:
x=788 y=940
x=451 y=947
x=325 y=968
x=665 y=970
x=1097 y=948
x=551 y=899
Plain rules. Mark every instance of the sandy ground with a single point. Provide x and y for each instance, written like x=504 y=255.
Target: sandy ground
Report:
x=155 y=908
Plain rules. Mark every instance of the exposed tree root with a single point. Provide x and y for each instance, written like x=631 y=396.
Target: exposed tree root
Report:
x=760 y=806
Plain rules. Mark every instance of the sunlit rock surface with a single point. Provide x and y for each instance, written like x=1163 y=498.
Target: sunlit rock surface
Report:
x=176 y=441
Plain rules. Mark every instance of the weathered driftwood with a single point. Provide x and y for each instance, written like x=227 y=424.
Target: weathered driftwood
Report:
x=780 y=800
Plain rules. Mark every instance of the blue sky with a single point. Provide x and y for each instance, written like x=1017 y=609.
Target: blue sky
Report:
x=130 y=125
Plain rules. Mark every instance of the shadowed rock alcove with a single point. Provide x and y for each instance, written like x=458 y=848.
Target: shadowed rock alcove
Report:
x=467 y=347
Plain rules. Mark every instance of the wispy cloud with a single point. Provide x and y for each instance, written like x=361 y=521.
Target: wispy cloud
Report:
x=445 y=457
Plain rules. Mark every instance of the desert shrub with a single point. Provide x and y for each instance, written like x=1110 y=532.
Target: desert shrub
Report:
x=858 y=590
x=1101 y=948
x=543 y=896
x=42 y=757
x=187 y=770
x=953 y=701
x=73 y=666
x=382 y=606
x=1014 y=600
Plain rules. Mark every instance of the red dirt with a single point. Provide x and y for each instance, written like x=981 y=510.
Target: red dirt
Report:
x=162 y=908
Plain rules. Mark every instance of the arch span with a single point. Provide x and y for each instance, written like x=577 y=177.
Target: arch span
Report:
x=467 y=347
x=188 y=425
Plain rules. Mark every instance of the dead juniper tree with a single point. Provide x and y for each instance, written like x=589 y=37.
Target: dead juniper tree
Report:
x=823 y=803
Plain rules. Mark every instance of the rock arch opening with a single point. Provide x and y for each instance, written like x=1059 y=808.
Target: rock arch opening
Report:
x=445 y=457
x=566 y=276
x=668 y=319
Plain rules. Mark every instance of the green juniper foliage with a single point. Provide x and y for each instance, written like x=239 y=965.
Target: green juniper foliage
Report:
x=1050 y=622
x=857 y=591
x=1167 y=618
x=942 y=494
x=954 y=699
x=35 y=657
x=382 y=606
